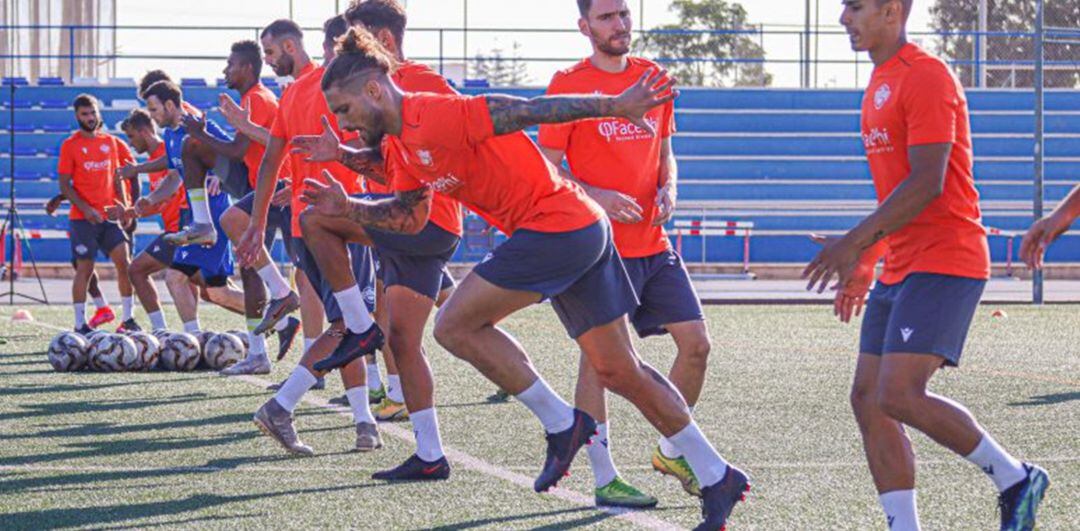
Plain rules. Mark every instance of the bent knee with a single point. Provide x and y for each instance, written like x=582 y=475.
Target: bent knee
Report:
x=898 y=402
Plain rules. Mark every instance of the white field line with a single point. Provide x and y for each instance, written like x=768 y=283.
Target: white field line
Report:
x=459 y=457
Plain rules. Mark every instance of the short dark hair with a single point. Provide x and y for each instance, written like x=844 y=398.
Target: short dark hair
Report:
x=283 y=27
x=357 y=52
x=249 y=52
x=333 y=28
x=137 y=119
x=150 y=78
x=165 y=91
x=379 y=14
x=584 y=6
x=85 y=100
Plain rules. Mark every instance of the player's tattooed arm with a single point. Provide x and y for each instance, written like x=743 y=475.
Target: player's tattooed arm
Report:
x=406 y=212
x=510 y=113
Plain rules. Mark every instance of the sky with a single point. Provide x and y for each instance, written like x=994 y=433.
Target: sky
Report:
x=426 y=17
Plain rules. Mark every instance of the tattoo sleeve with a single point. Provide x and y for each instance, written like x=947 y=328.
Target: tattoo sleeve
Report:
x=360 y=160
x=510 y=114
x=406 y=212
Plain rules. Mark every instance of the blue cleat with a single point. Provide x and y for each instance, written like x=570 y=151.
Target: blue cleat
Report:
x=353 y=346
x=562 y=447
x=416 y=469
x=1019 y=502
x=718 y=500
x=287 y=336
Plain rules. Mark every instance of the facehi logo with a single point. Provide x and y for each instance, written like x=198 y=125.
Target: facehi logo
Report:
x=622 y=130
x=446 y=184
x=882 y=96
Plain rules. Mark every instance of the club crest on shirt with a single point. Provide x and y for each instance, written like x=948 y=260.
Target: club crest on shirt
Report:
x=104 y=148
x=882 y=96
x=84 y=151
x=425 y=157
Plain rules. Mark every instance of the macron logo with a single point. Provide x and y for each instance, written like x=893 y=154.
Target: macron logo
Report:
x=906 y=333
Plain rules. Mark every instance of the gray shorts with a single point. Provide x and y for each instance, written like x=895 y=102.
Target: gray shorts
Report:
x=416 y=261
x=87 y=238
x=666 y=292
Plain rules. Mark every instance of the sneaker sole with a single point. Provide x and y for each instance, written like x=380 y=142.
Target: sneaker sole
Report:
x=399 y=416
x=627 y=505
x=365 y=449
x=270 y=433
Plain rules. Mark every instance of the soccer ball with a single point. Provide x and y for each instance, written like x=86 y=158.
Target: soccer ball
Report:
x=223 y=350
x=95 y=333
x=67 y=352
x=243 y=338
x=94 y=343
x=113 y=353
x=204 y=337
x=179 y=352
x=149 y=348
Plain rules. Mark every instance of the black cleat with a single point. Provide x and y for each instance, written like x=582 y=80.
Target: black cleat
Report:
x=286 y=337
x=1019 y=502
x=342 y=400
x=85 y=330
x=353 y=346
x=416 y=469
x=562 y=447
x=320 y=384
x=718 y=500
x=129 y=327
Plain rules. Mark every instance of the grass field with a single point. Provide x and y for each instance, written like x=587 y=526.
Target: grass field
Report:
x=110 y=451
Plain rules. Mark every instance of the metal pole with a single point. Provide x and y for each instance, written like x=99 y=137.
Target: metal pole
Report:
x=806 y=48
x=11 y=199
x=981 y=43
x=465 y=37
x=1037 y=277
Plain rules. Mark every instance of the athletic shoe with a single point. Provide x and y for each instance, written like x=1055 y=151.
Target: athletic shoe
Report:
x=277 y=310
x=677 y=468
x=320 y=384
x=274 y=421
x=367 y=438
x=1019 y=502
x=129 y=327
x=203 y=234
x=85 y=330
x=499 y=396
x=102 y=316
x=718 y=500
x=342 y=401
x=619 y=493
x=390 y=411
x=561 y=449
x=416 y=469
x=286 y=337
x=352 y=347
x=249 y=365
x=375 y=396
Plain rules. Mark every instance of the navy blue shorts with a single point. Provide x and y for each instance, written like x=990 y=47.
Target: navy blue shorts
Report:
x=580 y=272
x=363 y=268
x=215 y=262
x=925 y=314
x=417 y=261
x=160 y=250
x=666 y=292
x=87 y=238
x=278 y=219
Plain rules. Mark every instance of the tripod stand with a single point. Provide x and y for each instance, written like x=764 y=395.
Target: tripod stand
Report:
x=13 y=223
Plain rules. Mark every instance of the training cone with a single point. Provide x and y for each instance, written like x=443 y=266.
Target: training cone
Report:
x=22 y=316
x=1000 y=314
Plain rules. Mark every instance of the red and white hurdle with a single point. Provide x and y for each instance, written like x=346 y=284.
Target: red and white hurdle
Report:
x=706 y=228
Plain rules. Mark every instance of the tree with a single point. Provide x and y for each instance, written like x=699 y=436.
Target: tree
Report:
x=715 y=52
x=1009 y=16
x=499 y=70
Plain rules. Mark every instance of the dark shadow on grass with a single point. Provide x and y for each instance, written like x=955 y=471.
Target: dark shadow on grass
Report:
x=108 y=428
x=25 y=362
x=1048 y=400
x=470 y=404
x=185 y=522
x=48 y=409
x=65 y=388
x=128 y=447
x=590 y=519
x=113 y=514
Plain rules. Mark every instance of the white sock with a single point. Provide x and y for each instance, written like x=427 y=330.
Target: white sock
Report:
x=358 y=402
x=1004 y=469
x=353 y=309
x=428 y=441
x=157 y=321
x=80 y=314
x=256 y=342
x=600 y=457
x=374 y=380
x=275 y=283
x=554 y=413
x=200 y=207
x=129 y=307
x=703 y=459
x=294 y=388
x=101 y=302
x=900 y=510
x=192 y=327
x=281 y=325
x=668 y=449
x=393 y=388
x=308 y=341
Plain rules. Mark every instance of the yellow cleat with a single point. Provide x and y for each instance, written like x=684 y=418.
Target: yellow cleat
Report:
x=677 y=468
x=390 y=411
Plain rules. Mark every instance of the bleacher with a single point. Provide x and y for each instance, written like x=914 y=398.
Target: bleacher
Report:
x=789 y=161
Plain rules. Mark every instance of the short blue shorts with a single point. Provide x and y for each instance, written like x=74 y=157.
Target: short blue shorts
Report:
x=666 y=292
x=363 y=269
x=215 y=262
x=415 y=261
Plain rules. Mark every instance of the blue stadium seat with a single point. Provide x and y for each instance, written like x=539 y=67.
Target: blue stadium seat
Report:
x=54 y=104
x=17 y=103
x=16 y=81
x=56 y=128
x=191 y=82
x=25 y=151
x=50 y=82
x=270 y=82
x=477 y=83
x=24 y=128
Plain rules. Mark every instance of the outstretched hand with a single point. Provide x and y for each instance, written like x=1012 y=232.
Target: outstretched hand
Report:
x=326 y=199
x=655 y=88
x=1041 y=234
x=318 y=148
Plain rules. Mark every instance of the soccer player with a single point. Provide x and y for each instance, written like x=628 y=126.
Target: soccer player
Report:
x=928 y=226
x=242 y=74
x=211 y=265
x=1043 y=232
x=302 y=111
x=633 y=176
x=560 y=247
x=88 y=162
x=104 y=313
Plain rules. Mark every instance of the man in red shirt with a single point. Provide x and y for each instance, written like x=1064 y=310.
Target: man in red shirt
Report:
x=928 y=227
x=633 y=176
x=473 y=149
x=303 y=111
x=89 y=159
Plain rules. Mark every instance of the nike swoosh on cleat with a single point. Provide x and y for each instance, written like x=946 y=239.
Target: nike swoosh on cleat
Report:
x=431 y=470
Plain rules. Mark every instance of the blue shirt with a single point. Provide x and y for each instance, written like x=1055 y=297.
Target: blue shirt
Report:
x=174 y=142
